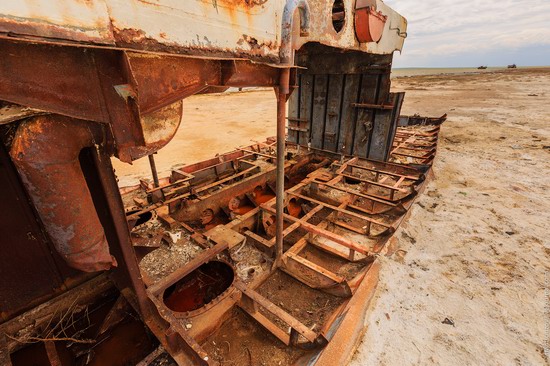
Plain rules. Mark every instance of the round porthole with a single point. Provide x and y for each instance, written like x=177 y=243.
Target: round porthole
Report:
x=338 y=15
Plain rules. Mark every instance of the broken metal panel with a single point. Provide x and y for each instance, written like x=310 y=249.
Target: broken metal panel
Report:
x=302 y=120
x=319 y=110
x=343 y=103
x=416 y=144
x=293 y=126
x=385 y=125
x=352 y=83
x=420 y=120
x=369 y=94
x=160 y=81
x=159 y=127
x=130 y=91
x=398 y=99
x=11 y=113
x=334 y=106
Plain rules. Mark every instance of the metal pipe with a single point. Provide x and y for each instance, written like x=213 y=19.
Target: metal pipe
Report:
x=285 y=52
x=283 y=91
x=45 y=151
x=154 y=170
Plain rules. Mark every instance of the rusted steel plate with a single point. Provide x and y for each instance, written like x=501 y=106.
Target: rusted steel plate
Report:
x=13 y=112
x=315 y=276
x=294 y=323
x=160 y=81
x=81 y=21
x=211 y=28
x=219 y=29
x=138 y=94
x=56 y=79
x=345 y=332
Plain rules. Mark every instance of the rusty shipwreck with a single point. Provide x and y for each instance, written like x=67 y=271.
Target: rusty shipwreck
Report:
x=265 y=255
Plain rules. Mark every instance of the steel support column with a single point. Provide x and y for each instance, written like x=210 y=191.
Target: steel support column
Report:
x=282 y=91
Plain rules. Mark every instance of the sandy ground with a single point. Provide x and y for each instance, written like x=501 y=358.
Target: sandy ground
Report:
x=211 y=124
x=475 y=250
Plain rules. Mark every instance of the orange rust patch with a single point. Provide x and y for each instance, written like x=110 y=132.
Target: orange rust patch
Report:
x=241 y=3
x=138 y=39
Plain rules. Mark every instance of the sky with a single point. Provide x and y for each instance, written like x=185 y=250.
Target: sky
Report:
x=467 y=33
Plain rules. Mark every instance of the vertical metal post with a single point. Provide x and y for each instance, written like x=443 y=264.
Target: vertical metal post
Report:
x=154 y=170
x=281 y=135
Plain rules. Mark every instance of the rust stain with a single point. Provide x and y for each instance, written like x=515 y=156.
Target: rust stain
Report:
x=248 y=7
x=37 y=27
x=138 y=39
x=257 y=47
x=241 y=4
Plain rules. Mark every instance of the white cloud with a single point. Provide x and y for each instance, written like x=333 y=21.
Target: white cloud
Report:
x=439 y=29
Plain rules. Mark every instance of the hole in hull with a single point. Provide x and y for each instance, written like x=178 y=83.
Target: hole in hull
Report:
x=352 y=181
x=143 y=218
x=338 y=15
x=200 y=287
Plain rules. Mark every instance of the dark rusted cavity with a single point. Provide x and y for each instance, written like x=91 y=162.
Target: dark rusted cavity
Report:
x=45 y=151
x=200 y=287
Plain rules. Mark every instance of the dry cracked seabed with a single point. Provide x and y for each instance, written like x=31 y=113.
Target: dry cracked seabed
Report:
x=470 y=283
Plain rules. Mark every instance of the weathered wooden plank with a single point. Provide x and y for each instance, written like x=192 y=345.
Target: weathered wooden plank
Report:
x=277 y=311
x=313 y=229
x=397 y=103
x=380 y=131
x=349 y=114
x=269 y=326
x=315 y=276
x=338 y=209
x=365 y=117
x=333 y=113
x=294 y=114
x=306 y=107
x=319 y=110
